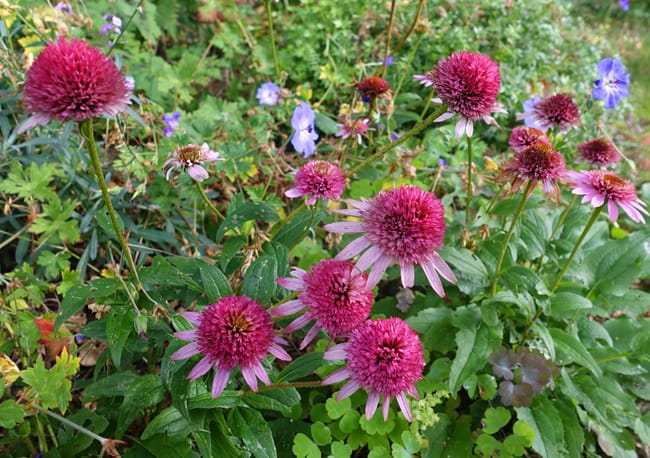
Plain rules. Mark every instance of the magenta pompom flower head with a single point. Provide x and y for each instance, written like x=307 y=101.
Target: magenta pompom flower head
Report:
x=599 y=152
x=191 y=157
x=537 y=163
x=555 y=112
x=468 y=83
x=522 y=137
x=72 y=81
x=600 y=186
x=234 y=331
x=384 y=358
x=321 y=179
x=404 y=225
x=373 y=87
x=334 y=294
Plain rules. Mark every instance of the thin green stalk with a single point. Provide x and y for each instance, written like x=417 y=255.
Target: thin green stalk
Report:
x=563 y=217
x=86 y=129
x=497 y=270
x=411 y=28
x=288 y=218
x=469 y=182
x=420 y=126
x=269 y=19
x=426 y=105
x=207 y=202
x=126 y=26
x=388 y=35
x=590 y=223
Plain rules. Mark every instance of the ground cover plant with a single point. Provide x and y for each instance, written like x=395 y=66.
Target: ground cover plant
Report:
x=308 y=229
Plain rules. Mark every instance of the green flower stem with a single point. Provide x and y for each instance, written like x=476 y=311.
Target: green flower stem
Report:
x=590 y=223
x=69 y=423
x=269 y=19
x=288 y=218
x=411 y=28
x=388 y=35
x=497 y=270
x=279 y=386
x=86 y=129
x=420 y=126
x=124 y=27
x=469 y=182
x=207 y=202
x=563 y=217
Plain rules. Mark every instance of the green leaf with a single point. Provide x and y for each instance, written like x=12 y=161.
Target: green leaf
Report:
x=215 y=283
x=572 y=350
x=341 y=450
x=291 y=232
x=11 y=414
x=144 y=392
x=545 y=420
x=52 y=388
x=259 y=281
x=301 y=367
x=253 y=430
x=119 y=324
x=495 y=418
x=281 y=400
x=303 y=447
x=169 y=422
x=336 y=409
x=73 y=301
x=565 y=304
x=249 y=211
x=321 y=433
x=472 y=275
x=325 y=124
x=475 y=343
x=33 y=182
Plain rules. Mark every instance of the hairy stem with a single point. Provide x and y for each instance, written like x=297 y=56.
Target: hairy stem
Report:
x=207 y=202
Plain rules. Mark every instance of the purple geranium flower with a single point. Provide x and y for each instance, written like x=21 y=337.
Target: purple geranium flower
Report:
x=625 y=4
x=613 y=83
x=171 y=122
x=268 y=94
x=63 y=7
x=112 y=24
x=528 y=107
x=304 y=135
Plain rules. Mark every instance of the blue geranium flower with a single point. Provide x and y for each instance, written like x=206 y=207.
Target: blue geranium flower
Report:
x=268 y=94
x=625 y=4
x=304 y=135
x=613 y=83
x=171 y=122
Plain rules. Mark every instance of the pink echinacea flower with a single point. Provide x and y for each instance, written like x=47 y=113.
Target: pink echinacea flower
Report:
x=384 y=358
x=234 y=331
x=321 y=179
x=600 y=186
x=334 y=294
x=558 y=111
x=192 y=157
x=404 y=225
x=599 y=152
x=72 y=81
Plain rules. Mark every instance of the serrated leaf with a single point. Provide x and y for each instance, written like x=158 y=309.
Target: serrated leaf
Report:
x=469 y=269
x=574 y=350
x=169 y=422
x=280 y=400
x=11 y=414
x=291 y=232
x=495 y=418
x=251 y=427
x=303 y=447
x=144 y=392
x=249 y=211
x=119 y=324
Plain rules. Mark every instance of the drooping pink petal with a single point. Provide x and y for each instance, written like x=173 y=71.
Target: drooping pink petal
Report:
x=371 y=404
x=220 y=381
x=186 y=352
x=201 y=368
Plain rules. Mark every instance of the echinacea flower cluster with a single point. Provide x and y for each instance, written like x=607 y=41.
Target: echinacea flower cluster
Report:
x=599 y=152
x=384 y=358
x=234 y=331
x=321 y=179
x=334 y=294
x=191 y=157
x=268 y=94
x=539 y=162
x=72 y=81
x=613 y=84
x=304 y=133
x=404 y=225
x=468 y=83
x=557 y=111
x=599 y=187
